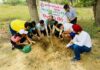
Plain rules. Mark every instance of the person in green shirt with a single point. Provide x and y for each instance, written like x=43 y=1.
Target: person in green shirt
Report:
x=50 y=22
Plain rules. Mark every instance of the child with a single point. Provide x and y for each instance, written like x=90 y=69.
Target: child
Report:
x=42 y=28
x=18 y=39
x=50 y=22
x=33 y=30
x=56 y=31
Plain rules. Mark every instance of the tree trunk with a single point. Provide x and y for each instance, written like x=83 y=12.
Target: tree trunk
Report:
x=32 y=4
x=96 y=9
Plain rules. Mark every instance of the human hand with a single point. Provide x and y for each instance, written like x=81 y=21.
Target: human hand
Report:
x=25 y=43
x=71 y=42
x=33 y=42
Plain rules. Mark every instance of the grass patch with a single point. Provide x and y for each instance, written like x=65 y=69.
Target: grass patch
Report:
x=8 y=12
x=85 y=16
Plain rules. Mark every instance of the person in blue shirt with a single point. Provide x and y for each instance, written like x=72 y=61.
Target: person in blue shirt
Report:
x=71 y=14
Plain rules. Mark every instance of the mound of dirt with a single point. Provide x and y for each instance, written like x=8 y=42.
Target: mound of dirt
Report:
x=48 y=54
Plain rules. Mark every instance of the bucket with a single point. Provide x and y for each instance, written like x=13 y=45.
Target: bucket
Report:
x=26 y=49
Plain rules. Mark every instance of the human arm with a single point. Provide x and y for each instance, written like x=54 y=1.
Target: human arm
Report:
x=81 y=40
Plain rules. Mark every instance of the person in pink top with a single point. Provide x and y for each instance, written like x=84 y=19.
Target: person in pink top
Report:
x=16 y=40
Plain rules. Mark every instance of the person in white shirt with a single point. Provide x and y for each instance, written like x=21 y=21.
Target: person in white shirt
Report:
x=71 y=14
x=42 y=28
x=67 y=31
x=81 y=42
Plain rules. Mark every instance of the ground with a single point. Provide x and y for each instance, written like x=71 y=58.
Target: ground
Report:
x=50 y=53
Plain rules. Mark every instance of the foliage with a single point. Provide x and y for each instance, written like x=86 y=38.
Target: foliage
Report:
x=14 y=2
x=8 y=12
x=78 y=3
x=86 y=3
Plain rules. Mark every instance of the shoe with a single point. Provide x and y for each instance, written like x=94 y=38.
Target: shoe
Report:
x=13 y=47
x=74 y=59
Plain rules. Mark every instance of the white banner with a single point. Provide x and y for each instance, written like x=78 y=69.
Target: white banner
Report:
x=45 y=9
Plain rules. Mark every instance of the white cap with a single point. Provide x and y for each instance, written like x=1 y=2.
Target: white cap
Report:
x=22 y=31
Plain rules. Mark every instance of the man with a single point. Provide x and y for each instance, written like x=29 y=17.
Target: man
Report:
x=71 y=14
x=42 y=28
x=50 y=22
x=81 y=42
x=18 y=25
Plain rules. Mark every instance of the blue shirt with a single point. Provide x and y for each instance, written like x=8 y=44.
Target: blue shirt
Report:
x=71 y=14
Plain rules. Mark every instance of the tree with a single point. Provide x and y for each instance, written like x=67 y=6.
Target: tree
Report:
x=33 y=8
x=32 y=5
x=86 y=3
x=96 y=9
x=12 y=2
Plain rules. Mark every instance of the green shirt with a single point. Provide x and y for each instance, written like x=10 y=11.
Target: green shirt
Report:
x=51 y=22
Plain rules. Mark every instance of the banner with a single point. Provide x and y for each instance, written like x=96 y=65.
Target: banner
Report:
x=46 y=9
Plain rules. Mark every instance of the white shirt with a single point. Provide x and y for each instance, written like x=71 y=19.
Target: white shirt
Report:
x=68 y=26
x=39 y=27
x=83 y=39
x=71 y=14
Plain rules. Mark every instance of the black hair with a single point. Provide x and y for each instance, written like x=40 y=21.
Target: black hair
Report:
x=17 y=34
x=27 y=24
x=56 y=22
x=66 y=6
x=41 y=21
x=59 y=25
x=32 y=24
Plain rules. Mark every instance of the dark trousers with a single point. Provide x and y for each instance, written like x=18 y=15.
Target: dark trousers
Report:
x=44 y=32
x=49 y=29
x=74 y=21
x=78 y=50
x=31 y=33
x=12 y=31
x=17 y=46
x=72 y=34
x=56 y=33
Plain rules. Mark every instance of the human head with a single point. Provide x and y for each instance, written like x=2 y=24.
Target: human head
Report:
x=41 y=22
x=77 y=28
x=60 y=26
x=55 y=23
x=32 y=24
x=50 y=17
x=17 y=34
x=27 y=25
x=66 y=7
